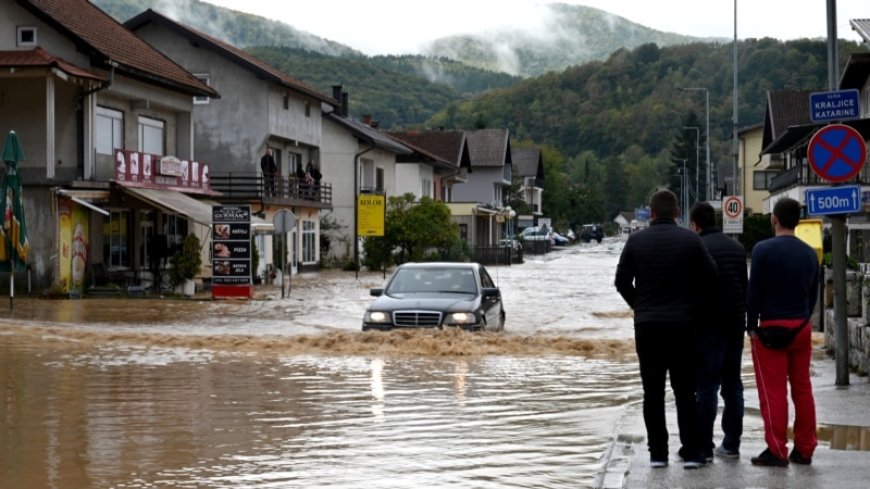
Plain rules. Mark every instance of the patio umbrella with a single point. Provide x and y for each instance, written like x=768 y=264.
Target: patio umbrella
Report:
x=13 y=231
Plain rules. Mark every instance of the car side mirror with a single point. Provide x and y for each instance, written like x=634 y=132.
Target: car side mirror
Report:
x=491 y=292
x=376 y=292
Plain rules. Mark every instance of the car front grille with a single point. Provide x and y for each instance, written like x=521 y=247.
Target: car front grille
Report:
x=417 y=318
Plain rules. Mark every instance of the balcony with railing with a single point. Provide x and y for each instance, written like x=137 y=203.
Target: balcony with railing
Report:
x=802 y=175
x=288 y=191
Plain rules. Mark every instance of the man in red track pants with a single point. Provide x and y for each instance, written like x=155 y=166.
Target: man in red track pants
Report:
x=783 y=287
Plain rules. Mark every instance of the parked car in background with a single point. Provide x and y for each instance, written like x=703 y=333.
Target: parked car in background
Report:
x=537 y=233
x=437 y=295
x=559 y=239
x=591 y=232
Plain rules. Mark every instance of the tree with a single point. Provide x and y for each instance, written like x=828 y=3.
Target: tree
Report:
x=685 y=148
x=413 y=231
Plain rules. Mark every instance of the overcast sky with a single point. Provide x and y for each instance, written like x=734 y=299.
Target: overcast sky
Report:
x=400 y=26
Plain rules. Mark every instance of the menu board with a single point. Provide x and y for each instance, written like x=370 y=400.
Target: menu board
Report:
x=231 y=251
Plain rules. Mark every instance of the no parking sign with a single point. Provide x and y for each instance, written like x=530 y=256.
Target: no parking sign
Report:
x=837 y=152
x=732 y=214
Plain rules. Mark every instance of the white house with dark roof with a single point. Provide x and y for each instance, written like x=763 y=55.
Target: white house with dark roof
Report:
x=478 y=203
x=528 y=166
x=261 y=108
x=82 y=92
x=361 y=160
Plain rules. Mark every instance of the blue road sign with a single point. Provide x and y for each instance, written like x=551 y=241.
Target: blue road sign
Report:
x=845 y=199
x=641 y=214
x=839 y=105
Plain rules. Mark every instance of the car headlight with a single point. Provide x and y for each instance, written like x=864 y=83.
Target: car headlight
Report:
x=460 y=318
x=377 y=317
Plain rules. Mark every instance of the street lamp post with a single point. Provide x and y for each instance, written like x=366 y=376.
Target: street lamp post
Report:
x=697 y=162
x=707 y=138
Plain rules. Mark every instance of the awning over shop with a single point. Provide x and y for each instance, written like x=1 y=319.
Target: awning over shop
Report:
x=174 y=202
x=86 y=198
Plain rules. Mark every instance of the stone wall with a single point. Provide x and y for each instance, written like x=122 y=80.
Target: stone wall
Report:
x=858 y=316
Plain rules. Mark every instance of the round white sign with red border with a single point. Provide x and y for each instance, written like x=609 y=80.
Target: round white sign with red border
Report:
x=732 y=207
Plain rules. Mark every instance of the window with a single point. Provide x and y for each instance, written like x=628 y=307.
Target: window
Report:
x=366 y=174
x=109 y=130
x=496 y=194
x=151 y=136
x=761 y=179
x=25 y=36
x=309 y=242
x=427 y=188
x=463 y=232
x=146 y=239
x=379 y=180
x=117 y=234
x=205 y=79
x=175 y=229
x=307 y=108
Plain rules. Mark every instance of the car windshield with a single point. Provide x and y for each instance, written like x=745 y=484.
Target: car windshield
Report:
x=433 y=280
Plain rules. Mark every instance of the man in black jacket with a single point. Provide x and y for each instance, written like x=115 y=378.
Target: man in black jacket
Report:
x=720 y=340
x=662 y=273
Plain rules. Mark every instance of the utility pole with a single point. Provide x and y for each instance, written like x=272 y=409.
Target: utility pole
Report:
x=734 y=190
x=838 y=228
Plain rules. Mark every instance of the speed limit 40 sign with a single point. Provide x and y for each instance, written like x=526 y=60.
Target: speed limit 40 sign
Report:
x=732 y=214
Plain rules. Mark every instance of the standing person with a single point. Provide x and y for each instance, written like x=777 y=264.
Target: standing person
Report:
x=720 y=341
x=783 y=286
x=662 y=272
x=270 y=170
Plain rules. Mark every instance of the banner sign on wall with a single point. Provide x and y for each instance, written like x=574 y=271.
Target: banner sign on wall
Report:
x=147 y=170
x=231 y=252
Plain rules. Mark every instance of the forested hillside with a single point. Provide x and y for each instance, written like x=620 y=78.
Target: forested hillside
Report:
x=563 y=36
x=614 y=123
x=237 y=28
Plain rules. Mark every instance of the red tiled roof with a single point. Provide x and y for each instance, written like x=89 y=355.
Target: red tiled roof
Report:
x=97 y=33
x=230 y=51
x=40 y=58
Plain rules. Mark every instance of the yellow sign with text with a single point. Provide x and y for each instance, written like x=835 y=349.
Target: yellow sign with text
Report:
x=370 y=215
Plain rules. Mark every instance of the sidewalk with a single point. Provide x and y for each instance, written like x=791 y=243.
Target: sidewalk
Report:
x=844 y=426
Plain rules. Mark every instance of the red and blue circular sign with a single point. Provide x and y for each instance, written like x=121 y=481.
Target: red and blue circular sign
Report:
x=837 y=152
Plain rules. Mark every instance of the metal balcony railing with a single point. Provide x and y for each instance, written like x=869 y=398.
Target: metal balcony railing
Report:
x=802 y=175
x=282 y=190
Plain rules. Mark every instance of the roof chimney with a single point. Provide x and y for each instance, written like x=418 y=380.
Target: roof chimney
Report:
x=336 y=92
x=367 y=119
x=344 y=104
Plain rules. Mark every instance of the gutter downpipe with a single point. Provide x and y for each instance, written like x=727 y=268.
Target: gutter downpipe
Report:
x=80 y=103
x=355 y=209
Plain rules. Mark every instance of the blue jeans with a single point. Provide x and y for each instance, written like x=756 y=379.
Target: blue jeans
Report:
x=719 y=365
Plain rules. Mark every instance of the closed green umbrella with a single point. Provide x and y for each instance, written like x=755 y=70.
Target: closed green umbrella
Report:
x=14 y=246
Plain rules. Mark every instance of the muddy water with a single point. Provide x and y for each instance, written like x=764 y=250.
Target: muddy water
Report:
x=287 y=392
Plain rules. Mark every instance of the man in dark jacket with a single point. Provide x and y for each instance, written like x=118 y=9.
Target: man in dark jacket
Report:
x=662 y=273
x=720 y=339
x=783 y=287
x=270 y=171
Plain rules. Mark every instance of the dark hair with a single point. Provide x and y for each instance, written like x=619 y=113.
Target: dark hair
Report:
x=788 y=212
x=703 y=215
x=663 y=204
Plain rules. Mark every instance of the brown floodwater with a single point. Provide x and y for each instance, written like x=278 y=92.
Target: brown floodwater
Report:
x=289 y=393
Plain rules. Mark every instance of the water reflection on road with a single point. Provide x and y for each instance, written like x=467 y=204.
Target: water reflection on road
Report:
x=289 y=393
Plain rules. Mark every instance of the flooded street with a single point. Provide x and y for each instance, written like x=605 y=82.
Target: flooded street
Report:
x=148 y=393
